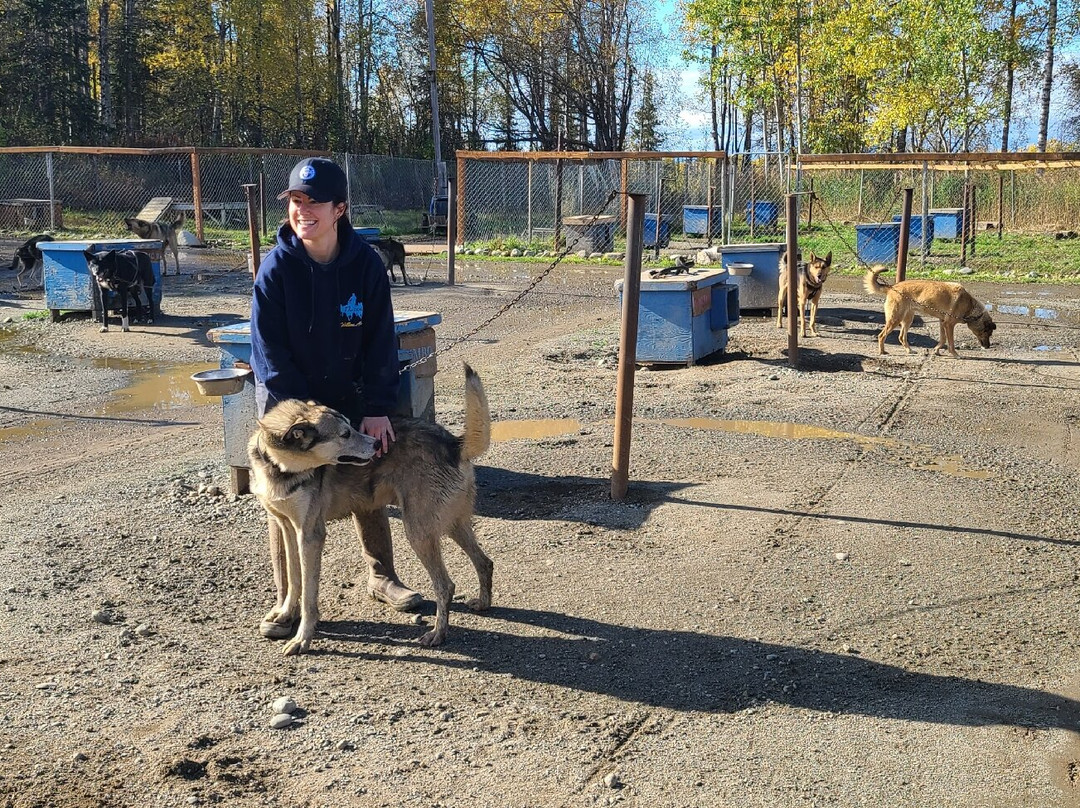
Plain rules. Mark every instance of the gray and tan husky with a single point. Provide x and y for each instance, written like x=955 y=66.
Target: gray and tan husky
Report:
x=310 y=466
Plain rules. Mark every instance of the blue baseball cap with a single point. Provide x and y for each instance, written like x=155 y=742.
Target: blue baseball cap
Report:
x=320 y=178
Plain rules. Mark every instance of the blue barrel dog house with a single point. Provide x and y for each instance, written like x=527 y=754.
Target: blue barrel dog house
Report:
x=764 y=213
x=695 y=221
x=877 y=243
x=416 y=395
x=684 y=318
x=649 y=235
x=68 y=284
x=916 y=227
x=948 y=222
x=759 y=289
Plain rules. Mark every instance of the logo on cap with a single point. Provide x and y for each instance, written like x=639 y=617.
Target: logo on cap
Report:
x=307 y=172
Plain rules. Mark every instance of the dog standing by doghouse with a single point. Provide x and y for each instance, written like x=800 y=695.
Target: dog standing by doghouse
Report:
x=949 y=302
x=165 y=232
x=127 y=273
x=812 y=274
x=310 y=466
x=28 y=256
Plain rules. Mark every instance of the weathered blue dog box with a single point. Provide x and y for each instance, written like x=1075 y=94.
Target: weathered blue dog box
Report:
x=915 y=231
x=368 y=233
x=765 y=213
x=948 y=222
x=759 y=289
x=416 y=394
x=877 y=243
x=682 y=318
x=649 y=236
x=68 y=283
x=695 y=220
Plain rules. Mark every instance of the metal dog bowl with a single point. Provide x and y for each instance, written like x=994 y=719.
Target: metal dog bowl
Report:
x=220 y=382
x=740 y=269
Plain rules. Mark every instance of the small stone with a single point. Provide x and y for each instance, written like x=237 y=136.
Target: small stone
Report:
x=841 y=556
x=101 y=616
x=280 y=721
x=79 y=757
x=344 y=745
x=213 y=491
x=284 y=705
x=143 y=630
x=417 y=619
x=905 y=562
x=613 y=780
x=46 y=686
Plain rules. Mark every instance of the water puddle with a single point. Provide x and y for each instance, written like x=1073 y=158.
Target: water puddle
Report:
x=158 y=387
x=154 y=387
x=777 y=429
x=898 y=450
x=1037 y=312
x=1049 y=348
x=916 y=457
x=533 y=430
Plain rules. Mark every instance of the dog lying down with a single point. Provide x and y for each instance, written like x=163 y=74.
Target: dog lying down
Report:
x=310 y=466
x=949 y=302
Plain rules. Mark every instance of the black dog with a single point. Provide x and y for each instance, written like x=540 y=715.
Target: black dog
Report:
x=28 y=255
x=123 y=272
x=392 y=253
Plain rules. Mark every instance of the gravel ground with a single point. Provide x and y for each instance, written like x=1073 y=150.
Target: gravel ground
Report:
x=851 y=583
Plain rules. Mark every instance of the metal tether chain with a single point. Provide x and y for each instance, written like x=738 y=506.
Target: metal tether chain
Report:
x=517 y=298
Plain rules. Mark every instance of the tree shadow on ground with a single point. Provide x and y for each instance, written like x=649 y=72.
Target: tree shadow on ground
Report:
x=698 y=672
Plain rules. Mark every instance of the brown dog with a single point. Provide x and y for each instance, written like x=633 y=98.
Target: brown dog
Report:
x=812 y=275
x=950 y=303
x=310 y=466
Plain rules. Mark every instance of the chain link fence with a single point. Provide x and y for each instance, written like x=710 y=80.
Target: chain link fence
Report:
x=537 y=203
x=87 y=193
x=1017 y=222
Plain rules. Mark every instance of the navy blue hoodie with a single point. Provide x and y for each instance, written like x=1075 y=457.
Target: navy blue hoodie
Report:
x=324 y=333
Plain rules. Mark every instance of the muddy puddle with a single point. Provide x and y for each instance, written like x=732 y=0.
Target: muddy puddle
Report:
x=917 y=457
x=153 y=387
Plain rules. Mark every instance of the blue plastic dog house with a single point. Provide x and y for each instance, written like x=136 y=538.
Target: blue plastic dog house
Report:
x=948 y=222
x=765 y=213
x=683 y=318
x=649 y=236
x=68 y=283
x=915 y=231
x=696 y=220
x=877 y=243
x=758 y=290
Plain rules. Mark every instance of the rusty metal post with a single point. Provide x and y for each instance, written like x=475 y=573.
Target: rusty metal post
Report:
x=905 y=232
x=196 y=194
x=451 y=227
x=253 y=229
x=262 y=194
x=792 y=270
x=624 y=391
x=964 y=217
x=1001 y=204
x=708 y=214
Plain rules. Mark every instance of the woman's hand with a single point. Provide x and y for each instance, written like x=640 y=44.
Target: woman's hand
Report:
x=380 y=429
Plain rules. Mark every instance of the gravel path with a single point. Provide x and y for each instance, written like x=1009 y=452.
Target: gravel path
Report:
x=851 y=583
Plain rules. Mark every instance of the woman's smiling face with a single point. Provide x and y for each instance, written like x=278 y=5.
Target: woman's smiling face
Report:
x=314 y=221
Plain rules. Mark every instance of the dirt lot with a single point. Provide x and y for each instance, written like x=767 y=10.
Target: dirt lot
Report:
x=853 y=583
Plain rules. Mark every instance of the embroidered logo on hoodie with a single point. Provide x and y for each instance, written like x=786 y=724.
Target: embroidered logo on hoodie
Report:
x=352 y=313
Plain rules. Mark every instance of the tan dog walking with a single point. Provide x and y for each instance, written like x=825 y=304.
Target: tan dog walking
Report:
x=949 y=302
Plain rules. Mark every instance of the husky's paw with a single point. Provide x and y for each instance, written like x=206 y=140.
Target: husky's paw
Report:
x=433 y=638
x=479 y=604
x=297 y=645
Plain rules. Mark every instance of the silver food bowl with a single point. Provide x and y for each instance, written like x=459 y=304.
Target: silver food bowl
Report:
x=221 y=382
x=740 y=269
